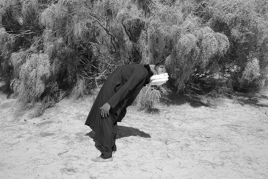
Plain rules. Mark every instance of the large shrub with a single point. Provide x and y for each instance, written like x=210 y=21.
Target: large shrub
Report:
x=76 y=44
x=245 y=25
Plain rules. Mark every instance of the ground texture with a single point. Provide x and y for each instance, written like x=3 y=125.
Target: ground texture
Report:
x=184 y=140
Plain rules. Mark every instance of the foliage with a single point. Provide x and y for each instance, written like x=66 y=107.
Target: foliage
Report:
x=245 y=25
x=79 y=90
x=18 y=59
x=252 y=70
x=148 y=97
x=48 y=46
x=33 y=76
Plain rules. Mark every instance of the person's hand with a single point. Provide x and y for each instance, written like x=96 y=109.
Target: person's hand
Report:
x=105 y=110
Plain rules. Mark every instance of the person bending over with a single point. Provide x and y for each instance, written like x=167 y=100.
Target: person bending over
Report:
x=117 y=93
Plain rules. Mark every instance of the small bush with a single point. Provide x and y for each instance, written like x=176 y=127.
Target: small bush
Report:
x=147 y=98
x=252 y=70
x=33 y=77
x=79 y=90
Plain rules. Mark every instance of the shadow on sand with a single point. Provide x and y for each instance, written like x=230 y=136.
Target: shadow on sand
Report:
x=4 y=89
x=123 y=131
x=198 y=100
x=173 y=98
x=253 y=100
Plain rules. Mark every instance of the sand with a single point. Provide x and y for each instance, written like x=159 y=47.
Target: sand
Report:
x=182 y=141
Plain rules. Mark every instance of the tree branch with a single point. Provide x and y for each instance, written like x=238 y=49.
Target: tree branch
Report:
x=106 y=30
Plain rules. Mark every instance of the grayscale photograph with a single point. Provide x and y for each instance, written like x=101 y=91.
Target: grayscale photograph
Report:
x=133 y=89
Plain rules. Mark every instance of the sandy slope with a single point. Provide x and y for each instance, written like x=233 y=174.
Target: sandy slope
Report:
x=183 y=141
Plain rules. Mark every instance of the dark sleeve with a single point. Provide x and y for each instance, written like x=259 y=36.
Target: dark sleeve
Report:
x=131 y=100
x=131 y=83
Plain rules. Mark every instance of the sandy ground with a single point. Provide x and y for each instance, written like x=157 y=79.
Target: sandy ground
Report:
x=184 y=141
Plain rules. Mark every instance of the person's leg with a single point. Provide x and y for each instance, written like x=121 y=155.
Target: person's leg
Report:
x=106 y=141
x=105 y=137
x=114 y=137
x=98 y=145
x=114 y=148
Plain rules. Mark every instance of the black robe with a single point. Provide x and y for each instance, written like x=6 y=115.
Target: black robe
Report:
x=120 y=90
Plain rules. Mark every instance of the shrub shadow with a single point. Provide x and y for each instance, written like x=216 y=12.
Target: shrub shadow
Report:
x=253 y=100
x=173 y=98
x=124 y=131
x=5 y=89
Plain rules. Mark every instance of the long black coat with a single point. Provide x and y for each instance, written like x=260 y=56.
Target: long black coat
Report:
x=120 y=90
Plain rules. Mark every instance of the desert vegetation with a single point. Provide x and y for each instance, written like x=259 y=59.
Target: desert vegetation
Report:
x=53 y=48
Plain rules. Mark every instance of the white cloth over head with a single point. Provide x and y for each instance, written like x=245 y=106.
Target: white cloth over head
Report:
x=159 y=79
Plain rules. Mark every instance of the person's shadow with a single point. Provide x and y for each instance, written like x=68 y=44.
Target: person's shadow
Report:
x=123 y=131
